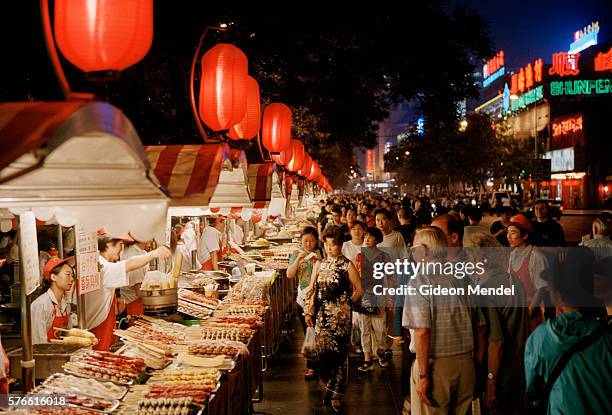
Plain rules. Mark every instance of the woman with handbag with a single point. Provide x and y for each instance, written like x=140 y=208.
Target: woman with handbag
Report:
x=301 y=264
x=334 y=287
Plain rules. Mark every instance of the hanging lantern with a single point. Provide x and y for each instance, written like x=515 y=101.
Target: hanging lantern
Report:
x=215 y=210
x=297 y=161
x=249 y=126
x=305 y=170
x=103 y=35
x=223 y=87
x=313 y=171
x=284 y=157
x=276 y=128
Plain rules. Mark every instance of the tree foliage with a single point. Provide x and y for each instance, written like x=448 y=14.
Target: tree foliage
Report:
x=339 y=72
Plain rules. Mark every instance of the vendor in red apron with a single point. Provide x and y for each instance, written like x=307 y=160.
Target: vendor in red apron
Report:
x=527 y=263
x=51 y=309
x=131 y=293
x=210 y=249
x=100 y=305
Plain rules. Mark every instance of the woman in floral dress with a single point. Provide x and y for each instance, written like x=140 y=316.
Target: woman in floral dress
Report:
x=334 y=286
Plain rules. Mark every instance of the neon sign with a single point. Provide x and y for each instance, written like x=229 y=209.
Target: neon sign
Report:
x=585 y=38
x=581 y=87
x=567 y=126
x=493 y=69
x=564 y=64
x=561 y=160
x=421 y=126
x=527 y=98
x=526 y=77
x=603 y=61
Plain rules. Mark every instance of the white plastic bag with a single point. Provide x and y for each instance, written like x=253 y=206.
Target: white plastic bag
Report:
x=309 y=348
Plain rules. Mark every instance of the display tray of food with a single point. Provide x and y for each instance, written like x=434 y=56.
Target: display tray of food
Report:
x=58 y=410
x=240 y=309
x=79 y=400
x=249 y=321
x=197 y=298
x=155 y=359
x=162 y=399
x=155 y=334
x=106 y=366
x=65 y=383
x=212 y=348
x=194 y=310
x=216 y=333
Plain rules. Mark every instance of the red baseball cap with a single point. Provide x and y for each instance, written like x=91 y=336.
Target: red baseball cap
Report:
x=521 y=222
x=54 y=262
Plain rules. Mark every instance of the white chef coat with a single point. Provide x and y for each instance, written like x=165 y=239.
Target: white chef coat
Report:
x=41 y=315
x=209 y=242
x=189 y=237
x=98 y=303
x=135 y=277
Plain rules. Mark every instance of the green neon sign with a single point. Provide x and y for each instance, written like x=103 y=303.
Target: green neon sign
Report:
x=527 y=98
x=581 y=87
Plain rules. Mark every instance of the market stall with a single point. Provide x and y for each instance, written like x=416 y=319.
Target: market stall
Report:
x=71 y=164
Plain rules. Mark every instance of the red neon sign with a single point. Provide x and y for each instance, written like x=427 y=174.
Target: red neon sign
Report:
x=603 y=61
x=526 y=77
x=567 y=126
x=493 y=64
x=564 y=64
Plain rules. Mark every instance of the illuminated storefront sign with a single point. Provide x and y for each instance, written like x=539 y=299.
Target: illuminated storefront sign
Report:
x=370 y=165
x=567 y=126
x=581 y=87
x=585 y=38
x=561 y=160
x=506 y=98
x=526 y=77
x=493 y=69
x=527 y=98
x=564 y=64
x=603 y=61
x=421 y=126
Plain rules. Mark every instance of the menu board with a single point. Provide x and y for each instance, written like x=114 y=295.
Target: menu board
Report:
x=88 y=272
x=28 y=252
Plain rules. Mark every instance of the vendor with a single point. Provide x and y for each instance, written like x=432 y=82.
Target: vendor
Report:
x=210 y=250
x=131 y=293
x=100 y=304
x=51 y=309
x=4 y=371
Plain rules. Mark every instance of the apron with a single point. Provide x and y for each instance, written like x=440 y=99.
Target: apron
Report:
x=523 y=275
x=208 y=265
x=104 y=332
x=135 y=308
x=58 y=321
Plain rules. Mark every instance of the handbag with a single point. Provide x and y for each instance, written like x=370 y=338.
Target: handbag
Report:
x=539 y=405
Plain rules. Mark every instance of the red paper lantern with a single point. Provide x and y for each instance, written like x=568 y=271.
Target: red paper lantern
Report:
x=256 y=218
x=103 y=35
x=315 y=172
x=249 y=126
x=215 y=210
x=223 y=87
x=305 y=170
x=297 y=161
x=276 y=128
x=236 y=210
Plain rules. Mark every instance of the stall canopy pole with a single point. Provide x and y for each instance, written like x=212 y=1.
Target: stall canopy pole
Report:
x=27 y=362
x=60 y=241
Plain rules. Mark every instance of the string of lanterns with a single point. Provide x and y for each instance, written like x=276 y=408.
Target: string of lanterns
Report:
x=112 y=35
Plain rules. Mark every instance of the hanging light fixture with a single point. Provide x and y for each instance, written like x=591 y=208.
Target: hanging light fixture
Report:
x=103 y=35
x=248 y=127
x=223 y=87
x=276 y=128
x=297 y=161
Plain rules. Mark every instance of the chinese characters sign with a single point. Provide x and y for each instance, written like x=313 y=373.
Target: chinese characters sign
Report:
x=564 y=64
x=527 y=98
x=526 y=77
x=493 y=69
x=28 y=252
x=87 y=261
x=567 y=126
x=585 y=38
x=603 y=61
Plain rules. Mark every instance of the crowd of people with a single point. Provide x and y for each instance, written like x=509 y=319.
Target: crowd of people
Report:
x=547 y=346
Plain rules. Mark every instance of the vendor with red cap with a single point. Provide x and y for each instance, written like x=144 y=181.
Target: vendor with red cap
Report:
x=100 y=304
x=51 y=309
x=527 y=263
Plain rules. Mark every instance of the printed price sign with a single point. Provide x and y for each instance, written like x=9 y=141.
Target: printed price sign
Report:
x=28 y=252
x=88 y=273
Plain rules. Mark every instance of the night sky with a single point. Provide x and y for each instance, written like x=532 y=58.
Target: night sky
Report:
x=528 y=29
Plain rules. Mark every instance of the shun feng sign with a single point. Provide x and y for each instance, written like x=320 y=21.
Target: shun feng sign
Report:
x=581 y=87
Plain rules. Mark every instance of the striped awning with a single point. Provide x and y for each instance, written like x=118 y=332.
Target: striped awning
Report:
x=78 y=163
x=260 y=183
x=190 y=173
